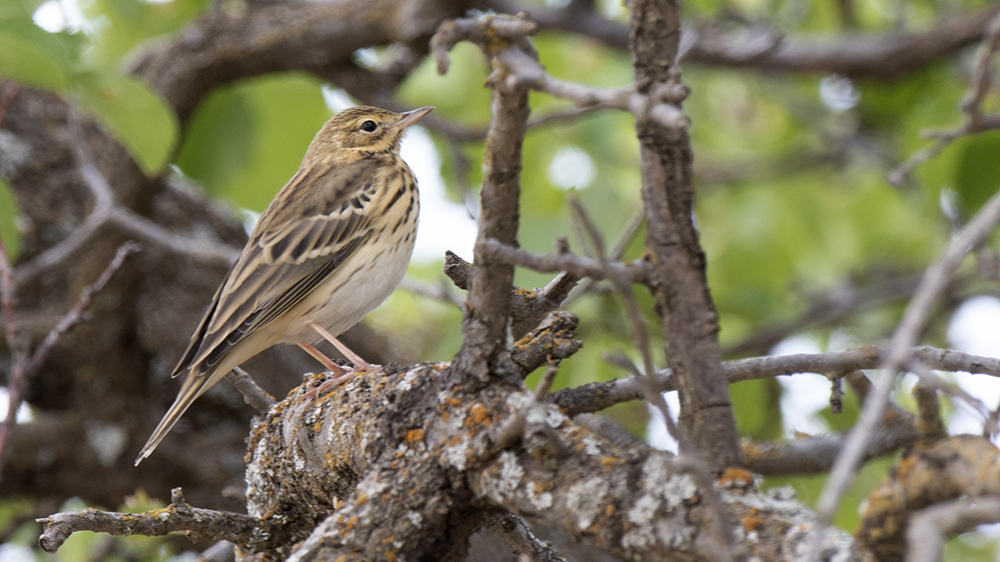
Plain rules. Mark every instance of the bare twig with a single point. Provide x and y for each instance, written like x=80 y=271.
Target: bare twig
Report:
x=255 y=396
x=933 y=282
x=597 y=396
x=554 y=263
x=971 y=107
x=883 y=55
x=659 y=105
x=108 y=212
x=22 y=373
x=617 y=252
x=930 y=526
x=485 y=320
x=690 y=458
x=248 y=532
x=17 y=346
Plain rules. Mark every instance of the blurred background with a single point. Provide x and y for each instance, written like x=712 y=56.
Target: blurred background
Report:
x=809 y=247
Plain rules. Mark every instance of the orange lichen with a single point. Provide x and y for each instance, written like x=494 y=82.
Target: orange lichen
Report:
x=478 y=414
x=609 y=509
x=362 y=498
x=414 y=435
x=609 y=462
x=752 y=520
x=540 y=487
x=735 y=478
x=391 y=557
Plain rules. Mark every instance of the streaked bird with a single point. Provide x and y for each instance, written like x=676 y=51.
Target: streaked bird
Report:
x=332 y=245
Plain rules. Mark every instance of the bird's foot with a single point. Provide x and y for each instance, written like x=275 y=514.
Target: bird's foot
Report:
x=360 y=365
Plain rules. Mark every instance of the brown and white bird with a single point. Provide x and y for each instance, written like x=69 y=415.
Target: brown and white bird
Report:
x=332 y=245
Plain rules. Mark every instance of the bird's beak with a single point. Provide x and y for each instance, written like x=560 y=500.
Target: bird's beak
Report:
x=411 y=117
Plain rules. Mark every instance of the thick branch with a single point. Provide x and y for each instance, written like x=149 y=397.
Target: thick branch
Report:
x=884 y=55
x=403 y=472
x=678 y=282
x=964 y=465
x=275 y=37
x=485 y=322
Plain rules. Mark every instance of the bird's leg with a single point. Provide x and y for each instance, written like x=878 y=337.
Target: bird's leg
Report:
x=326 y=361
x=359 y=363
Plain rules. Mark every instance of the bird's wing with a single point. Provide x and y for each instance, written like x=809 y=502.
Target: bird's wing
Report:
x=289 y=254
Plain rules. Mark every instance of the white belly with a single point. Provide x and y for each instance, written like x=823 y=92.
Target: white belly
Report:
x=359 y=286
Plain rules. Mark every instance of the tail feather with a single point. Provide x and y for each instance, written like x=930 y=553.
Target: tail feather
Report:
x=194 y=386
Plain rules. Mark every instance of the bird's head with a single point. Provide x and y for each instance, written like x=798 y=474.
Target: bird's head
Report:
x=363 y=129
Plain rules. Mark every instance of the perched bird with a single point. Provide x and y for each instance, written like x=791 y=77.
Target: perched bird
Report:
x=332 y=245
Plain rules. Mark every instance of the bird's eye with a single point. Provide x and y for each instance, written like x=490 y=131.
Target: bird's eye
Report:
x=369 y=126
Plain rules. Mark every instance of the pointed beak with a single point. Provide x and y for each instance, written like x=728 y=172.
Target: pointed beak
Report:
x=411 y=117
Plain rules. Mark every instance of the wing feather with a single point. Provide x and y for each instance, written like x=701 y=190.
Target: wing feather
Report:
x=287 y=256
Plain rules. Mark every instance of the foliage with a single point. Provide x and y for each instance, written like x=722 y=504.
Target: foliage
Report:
x=790 y=177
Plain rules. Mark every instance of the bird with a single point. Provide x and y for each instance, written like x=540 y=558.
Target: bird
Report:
x=331 y=247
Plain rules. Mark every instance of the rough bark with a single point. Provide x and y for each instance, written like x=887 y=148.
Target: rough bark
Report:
x=690 y=323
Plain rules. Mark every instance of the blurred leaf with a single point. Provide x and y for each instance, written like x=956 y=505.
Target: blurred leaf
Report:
x=126 y=24
x=757 y=406
x=31 y=55
x=977 y=170
x=972 y=547
x=8 y=226
x=139 y=118
x=246 y=140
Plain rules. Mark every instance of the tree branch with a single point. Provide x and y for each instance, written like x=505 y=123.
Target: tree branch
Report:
x=934 y=280
x=678 y=282
x=884 y=56
x=485 y=318
x=253 y=534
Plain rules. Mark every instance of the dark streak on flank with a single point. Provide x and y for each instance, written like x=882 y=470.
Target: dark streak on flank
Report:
x=395 y=196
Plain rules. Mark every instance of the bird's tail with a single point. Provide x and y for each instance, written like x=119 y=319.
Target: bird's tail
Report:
x=194 y=386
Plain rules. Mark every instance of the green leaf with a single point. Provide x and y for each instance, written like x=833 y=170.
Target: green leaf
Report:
x=31 y=55
x=977 y=170
x=247 y=139
x=8 y=216
x=139 y=118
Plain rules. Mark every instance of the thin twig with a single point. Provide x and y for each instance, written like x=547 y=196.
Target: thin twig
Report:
x=249 y=532
x=617 y=252
x=934 y=281
x=25 y=368
x=597 y=396
x=660 y=105
x=255 y=396
x=690 y=459
x=971 y=106
x=556 y=263
x=929 y=526
x=76 y=314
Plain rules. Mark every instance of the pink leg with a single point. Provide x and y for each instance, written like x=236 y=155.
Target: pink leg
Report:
x=326 y=361
x=359 y=363
x=340 y=374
